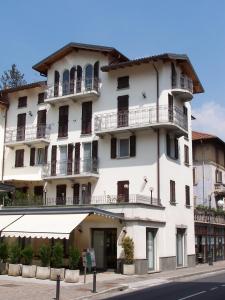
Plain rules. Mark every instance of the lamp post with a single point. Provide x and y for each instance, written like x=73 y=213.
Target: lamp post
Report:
x=151 y=191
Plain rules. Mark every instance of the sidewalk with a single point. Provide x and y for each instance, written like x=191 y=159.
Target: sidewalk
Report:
x=108 y=282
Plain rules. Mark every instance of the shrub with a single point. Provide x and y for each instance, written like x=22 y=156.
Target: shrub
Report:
x=14 y=253
x=3 y=251
x=45 y=255
x=57 y=256
x=74 y=257
x=27 y=255
x=128 y=247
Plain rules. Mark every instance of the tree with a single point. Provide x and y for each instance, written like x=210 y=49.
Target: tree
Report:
x=12 y=78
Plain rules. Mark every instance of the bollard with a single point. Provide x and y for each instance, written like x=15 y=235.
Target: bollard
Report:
x=94 y=282
x=57 y=287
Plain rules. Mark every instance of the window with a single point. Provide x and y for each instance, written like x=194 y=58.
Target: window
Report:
x=22 y=102
x=96 y=75
x=172 y=192
x=88 y=77
x=79 y=79
x=123 y=82
x=40 y=160
x=172 y=146
x=61 y=194
x=66 y=82
x=186 y=155
x=194 y=176
x=123 y=147
x=72 y=79
x=41 y=98
x=19 y=158
x=38 y=191
x=63 y=121
x=218 y=175
x=56 y=84
x=187 y=195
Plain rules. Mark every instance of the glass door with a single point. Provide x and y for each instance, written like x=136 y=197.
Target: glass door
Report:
x=63 y=160
x=150 y=248
x=98 y=245
x=180 y=247
x=87 y=157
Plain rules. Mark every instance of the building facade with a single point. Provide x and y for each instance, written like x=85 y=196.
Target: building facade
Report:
x=111 y=133
x=208 y=187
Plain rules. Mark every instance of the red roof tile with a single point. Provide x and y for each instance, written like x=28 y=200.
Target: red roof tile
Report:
x=196 y=135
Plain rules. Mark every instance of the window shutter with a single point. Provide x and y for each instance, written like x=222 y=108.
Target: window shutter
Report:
x=86 y=117
x=168 y=144
x=95 y=150
x=89 y=192
x=176 y=148
x=186 y=154
x=53 y=160
x=187 y=192
x=63 y=121
x=132 y=145
x=77 y=158
x=113 y=147
x=70 y=159
x=76 y=193
x=32 y=156
x=46 y=154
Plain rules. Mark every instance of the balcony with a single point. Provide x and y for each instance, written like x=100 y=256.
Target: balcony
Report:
x=212 y=217
x=83 y=168
x=182 y=87
x=84 y=199
x=141 y=118
x=219 y=189
x=26 y=173
x=87 y=89
x=29 y=135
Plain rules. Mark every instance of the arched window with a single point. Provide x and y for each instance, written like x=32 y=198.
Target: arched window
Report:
x=96 y=75
x=65 y=83
x=88 y=77
x=56 y=84
x=72 y=80
x=79 y=79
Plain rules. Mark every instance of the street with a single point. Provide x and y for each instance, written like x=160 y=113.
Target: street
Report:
x=210 y=287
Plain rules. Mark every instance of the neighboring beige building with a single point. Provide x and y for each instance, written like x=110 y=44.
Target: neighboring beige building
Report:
x=109 y=138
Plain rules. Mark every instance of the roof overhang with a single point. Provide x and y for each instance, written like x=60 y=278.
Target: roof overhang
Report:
x=44 y=64
x=181 y=59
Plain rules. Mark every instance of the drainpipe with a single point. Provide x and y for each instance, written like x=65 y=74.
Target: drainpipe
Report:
x=157 y=133
x=203 y=173
x=3 y=154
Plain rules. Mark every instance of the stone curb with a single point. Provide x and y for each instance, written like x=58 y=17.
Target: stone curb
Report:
x=114 y=289
x=195 y=274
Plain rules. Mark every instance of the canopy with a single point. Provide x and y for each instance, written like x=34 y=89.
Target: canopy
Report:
x=58 y=226
x=6 y=220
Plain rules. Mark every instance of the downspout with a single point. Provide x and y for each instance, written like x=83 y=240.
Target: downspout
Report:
x=3 y=154
x=203 y=174
x=157 y=134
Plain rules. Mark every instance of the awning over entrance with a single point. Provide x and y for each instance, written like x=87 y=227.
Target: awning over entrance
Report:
x=6 y=220
x=44 y=225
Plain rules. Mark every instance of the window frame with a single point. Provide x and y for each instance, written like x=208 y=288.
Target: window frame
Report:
x=172 y=192
x=18 y=163
x=22 y=102
x=119 y=148
x=121 y=85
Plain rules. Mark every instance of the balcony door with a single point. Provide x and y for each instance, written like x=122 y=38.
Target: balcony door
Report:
x=21 y=125
x=122 y=111
x=63 y=160
x=123 y=191
x=86 y=117
x=61 y=194
x=87 y=157
x=41 y=123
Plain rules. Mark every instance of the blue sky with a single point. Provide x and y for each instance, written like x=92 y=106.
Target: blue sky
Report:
x=32 y=29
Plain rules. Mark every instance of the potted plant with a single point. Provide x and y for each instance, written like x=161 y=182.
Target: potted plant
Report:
x=72 y=274
x=43 y=272
x=128 y=247
x=28 y=269
x=3 y=257
x=14 y=257
x=57 y=262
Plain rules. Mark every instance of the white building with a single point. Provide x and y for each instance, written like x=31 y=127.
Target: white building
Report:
x=110 y=136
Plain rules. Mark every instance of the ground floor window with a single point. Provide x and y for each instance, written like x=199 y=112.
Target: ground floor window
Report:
x=150 y=248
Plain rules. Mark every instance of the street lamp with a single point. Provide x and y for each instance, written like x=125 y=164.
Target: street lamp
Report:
x=220 y=203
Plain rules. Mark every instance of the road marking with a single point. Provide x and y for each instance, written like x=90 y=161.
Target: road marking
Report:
x=222 y=284
x=193 y=295
x=214 y=288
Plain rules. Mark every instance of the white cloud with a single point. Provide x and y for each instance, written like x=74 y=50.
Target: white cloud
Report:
x=210 y=118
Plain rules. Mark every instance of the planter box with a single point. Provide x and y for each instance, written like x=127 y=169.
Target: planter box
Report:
x=72 y=276
x=29 y=271
x=43 y=273
x=128 y=269
x=55 y=272
x=15 y=270
x=3 y=268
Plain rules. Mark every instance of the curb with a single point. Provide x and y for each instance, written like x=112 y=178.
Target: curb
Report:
x=195 y=274
x=114 y=289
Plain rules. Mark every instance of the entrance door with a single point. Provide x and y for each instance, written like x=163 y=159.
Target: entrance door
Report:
x=104 y=241
x=150 y=248
x=61 y=194
x=180 y=247
x=63 y=160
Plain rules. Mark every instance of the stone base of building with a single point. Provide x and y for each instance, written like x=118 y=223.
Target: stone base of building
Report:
x=169 y=263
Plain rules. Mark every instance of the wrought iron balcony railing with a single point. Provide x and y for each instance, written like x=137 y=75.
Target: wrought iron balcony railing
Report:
x=208 y=217
x=83 y=199
x=68 y=168
x=72 y=88
x=27 y=133
x=182 y=82
x=140 y=118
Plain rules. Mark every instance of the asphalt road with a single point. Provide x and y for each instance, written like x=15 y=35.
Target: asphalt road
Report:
x=210 y=287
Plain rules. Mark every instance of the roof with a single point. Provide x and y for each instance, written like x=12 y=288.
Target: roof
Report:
x=201 y=136
x=44 y=64
x=181 y=59
x=23 y=87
